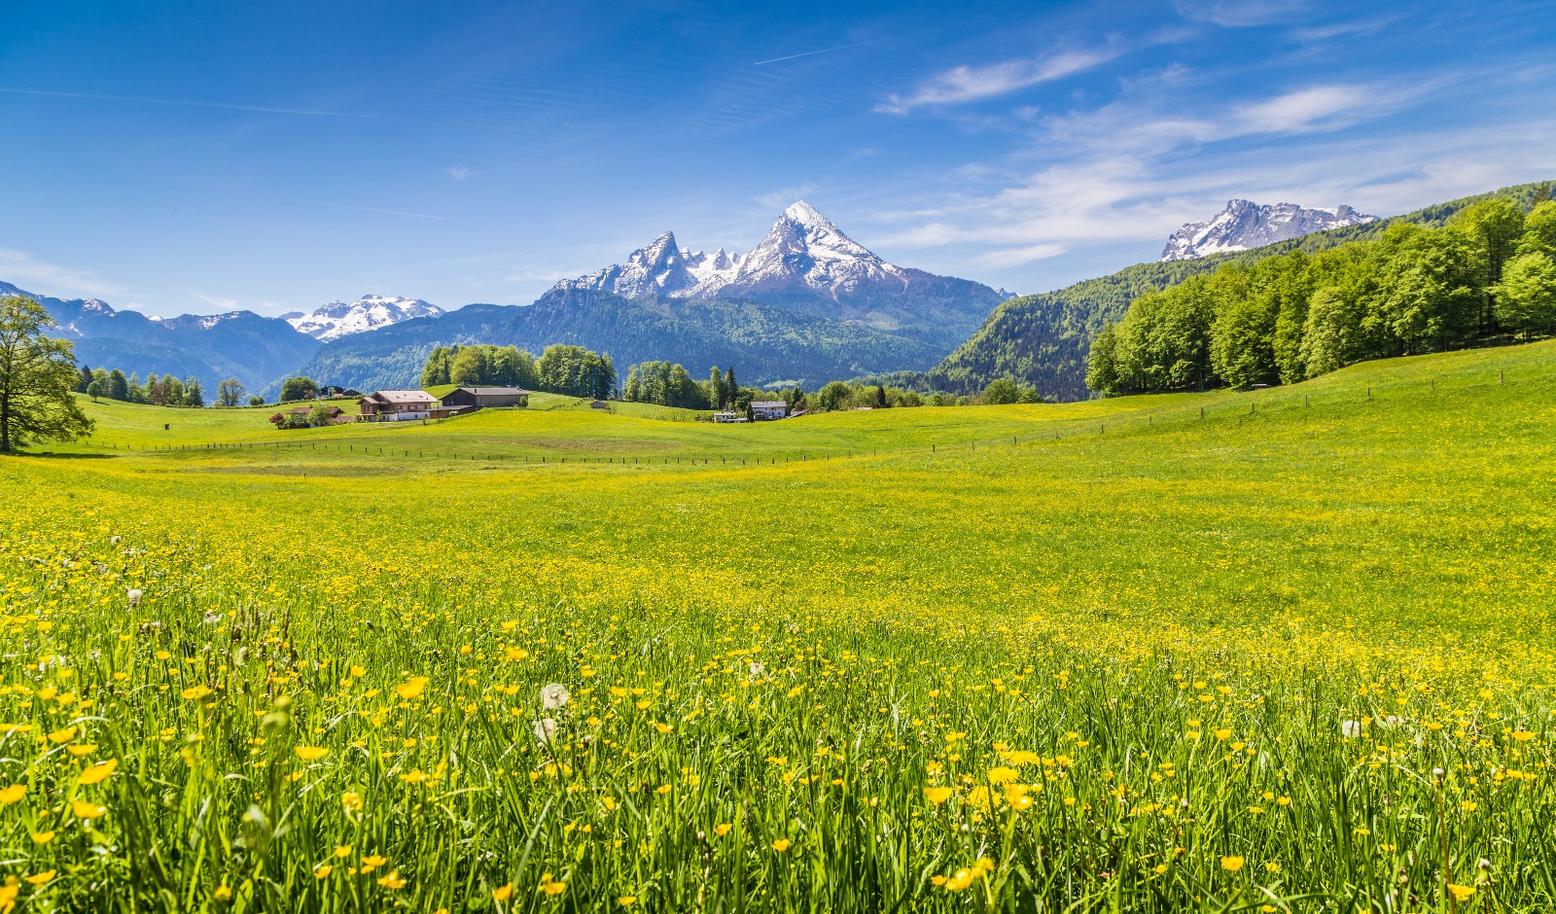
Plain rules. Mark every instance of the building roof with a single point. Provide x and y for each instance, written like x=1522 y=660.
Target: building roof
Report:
x=402 y=396
x=769 y=404
x=494 y=391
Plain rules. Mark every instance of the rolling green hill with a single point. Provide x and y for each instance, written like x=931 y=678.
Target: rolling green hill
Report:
x=1043 y=339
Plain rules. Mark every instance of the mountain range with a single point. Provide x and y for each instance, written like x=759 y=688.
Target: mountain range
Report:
x=370 y=312
x=210 y=347
x=1243 y=225
x=805 y=305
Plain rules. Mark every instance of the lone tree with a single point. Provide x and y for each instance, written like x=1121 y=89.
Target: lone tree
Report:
x=37 y=376
x=230 y=392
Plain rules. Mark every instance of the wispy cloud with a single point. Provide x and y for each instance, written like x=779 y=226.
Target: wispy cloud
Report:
x=1308 y=108
x=219 y=302
x=1241 y=13
x=1021 y=256
x=1349 y=28
x=969 y=83
x=460 y=172
x=190 y=103
x=23 y=269
x=783 y=196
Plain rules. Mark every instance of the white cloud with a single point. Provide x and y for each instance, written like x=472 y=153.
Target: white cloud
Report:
x=1344 y=29
x=22 y=269
x=1016 y=257
x=220 y=302
x=783 y=196
x=1240 y=13
x=968 y=83
x=460 y=172
x=1304 y=109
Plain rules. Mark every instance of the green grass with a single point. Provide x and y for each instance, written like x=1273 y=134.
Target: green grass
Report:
x=1156 y=620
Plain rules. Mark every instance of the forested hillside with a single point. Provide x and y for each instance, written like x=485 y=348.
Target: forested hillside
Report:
x=1044 y=339
x=766 y=343
x=1488 y=274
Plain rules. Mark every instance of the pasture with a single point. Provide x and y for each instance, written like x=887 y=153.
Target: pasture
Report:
x=1278 y=650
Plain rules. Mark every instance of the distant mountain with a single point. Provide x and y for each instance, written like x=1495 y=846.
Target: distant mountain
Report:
x=764 y=343
x=239 y=344
x=1243 y=225
x=808 y=265
x=1044 y=339
x=370 y=312
x=806 y=305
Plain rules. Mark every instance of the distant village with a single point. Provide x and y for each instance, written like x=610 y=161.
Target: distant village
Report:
x=419 y=405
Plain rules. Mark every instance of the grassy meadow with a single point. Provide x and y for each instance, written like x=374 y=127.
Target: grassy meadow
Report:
x=1279 y=650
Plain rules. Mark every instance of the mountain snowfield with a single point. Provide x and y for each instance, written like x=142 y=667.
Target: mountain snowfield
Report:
x=370 y=312
x=1243 y=225
x=804 y=255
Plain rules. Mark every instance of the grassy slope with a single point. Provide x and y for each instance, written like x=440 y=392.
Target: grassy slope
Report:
x=1044 y=339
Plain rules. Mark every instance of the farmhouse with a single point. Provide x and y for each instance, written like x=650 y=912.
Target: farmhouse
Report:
x=728 y=416
x=397 y=405
x=481 y=397
x=763 y=410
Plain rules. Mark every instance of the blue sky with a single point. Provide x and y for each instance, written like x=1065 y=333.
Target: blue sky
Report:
x=202 y=156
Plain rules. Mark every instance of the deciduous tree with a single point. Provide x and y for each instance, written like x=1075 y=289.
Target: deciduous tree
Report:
x=37 y=378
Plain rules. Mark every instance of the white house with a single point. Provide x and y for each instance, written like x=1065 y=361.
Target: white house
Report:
x=397 y=405
x=763 y=410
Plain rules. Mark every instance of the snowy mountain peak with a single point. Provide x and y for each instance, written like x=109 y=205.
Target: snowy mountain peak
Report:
x=1244 y=224
x=805 y=214
x=804 y=259
x=370 y=312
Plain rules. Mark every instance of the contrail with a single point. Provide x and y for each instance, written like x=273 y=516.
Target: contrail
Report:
x=398 y=212
x=841 y=47
x=262 y=109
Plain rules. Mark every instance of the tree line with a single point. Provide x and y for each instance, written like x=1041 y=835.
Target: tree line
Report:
x=670 y=384
x=102 y=384
x=561 y=369
x=1488 y=273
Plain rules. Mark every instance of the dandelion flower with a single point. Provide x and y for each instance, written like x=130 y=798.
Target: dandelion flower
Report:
x=12 y=794
x=99 y=772
x=1461 y=892
x=545 y=730
x=722 y=829
x=554 y=696
x=134 y=594
x=43 y=878
x=323 y=870
x=195 y=693
x=412 y=687
x=1231 y=864
x=1350 y=729
x=84 y=809
x=503 y=892
x=392 y=880
x=41 y=837
x=937 y=795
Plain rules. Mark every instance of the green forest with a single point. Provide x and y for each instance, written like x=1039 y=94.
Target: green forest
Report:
x=561 y=369
x=1488 y=274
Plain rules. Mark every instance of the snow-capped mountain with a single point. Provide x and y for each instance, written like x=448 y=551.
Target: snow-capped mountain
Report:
x=253 y=349
x=804 y=262
x=339 y=318
x=1243 y=225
